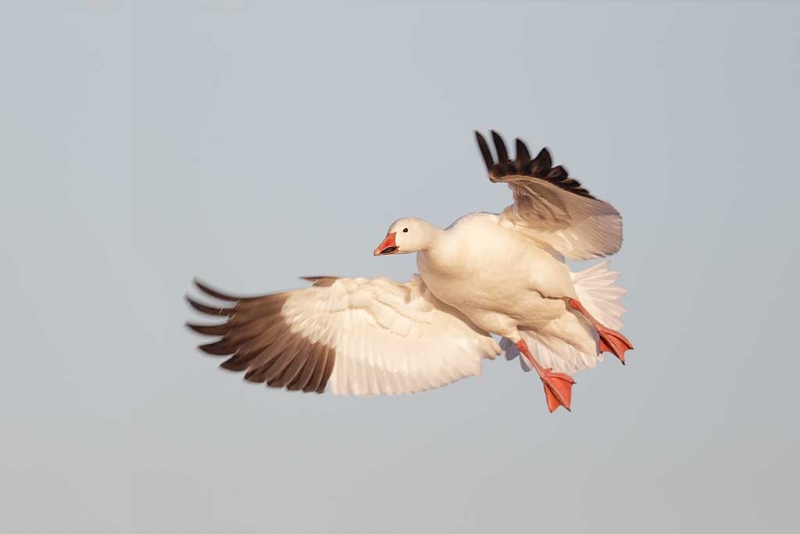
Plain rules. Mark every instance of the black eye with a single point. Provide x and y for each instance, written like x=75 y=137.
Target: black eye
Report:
x=405 y=230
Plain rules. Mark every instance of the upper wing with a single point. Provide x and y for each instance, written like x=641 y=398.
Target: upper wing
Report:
x=549 y=206
x=353 y=335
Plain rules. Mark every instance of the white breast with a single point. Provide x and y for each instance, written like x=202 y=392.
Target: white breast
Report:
x=479 y=265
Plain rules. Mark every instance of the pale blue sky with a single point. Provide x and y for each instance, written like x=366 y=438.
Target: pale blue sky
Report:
x=250 y=143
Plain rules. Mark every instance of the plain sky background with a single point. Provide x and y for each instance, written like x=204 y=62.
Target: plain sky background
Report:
x=249 y=143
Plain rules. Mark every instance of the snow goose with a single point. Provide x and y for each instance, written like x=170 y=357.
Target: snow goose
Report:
x=486 y=274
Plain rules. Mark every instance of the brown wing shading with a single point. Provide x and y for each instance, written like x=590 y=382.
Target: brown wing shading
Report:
x=549 y=207
x=258 y=341
x=540 y=167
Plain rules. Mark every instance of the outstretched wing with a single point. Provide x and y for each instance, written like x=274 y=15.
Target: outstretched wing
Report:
x=349 y=335
x=549 y=206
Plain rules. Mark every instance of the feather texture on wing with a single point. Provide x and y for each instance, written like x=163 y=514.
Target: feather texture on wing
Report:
x=349 y=335
x=549 y=206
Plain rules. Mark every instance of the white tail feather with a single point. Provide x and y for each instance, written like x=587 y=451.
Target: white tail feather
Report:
x=596 y=289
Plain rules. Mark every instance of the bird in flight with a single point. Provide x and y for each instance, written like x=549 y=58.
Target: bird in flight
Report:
x=485 y=275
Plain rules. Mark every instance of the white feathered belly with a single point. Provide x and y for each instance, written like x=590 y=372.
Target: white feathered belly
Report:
x=497 y=277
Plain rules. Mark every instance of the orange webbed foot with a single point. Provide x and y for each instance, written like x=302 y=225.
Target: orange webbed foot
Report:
x=613 y=342
x=557 y=389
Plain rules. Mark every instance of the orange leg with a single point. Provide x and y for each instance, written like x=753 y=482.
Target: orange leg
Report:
x=610 y=340
x=557 y=386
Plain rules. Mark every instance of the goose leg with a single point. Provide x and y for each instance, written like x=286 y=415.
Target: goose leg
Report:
x=557 y=386
x=610 y=340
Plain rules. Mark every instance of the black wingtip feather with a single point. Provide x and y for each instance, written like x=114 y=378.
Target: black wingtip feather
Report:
x=559 y=173
x=209 y=330
x=540 y=167
x=488 y=160
x=542 y=163
x=223 y=347
x=523 y=156
x=205 y=288
x=500 y=147
x=209 y=310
